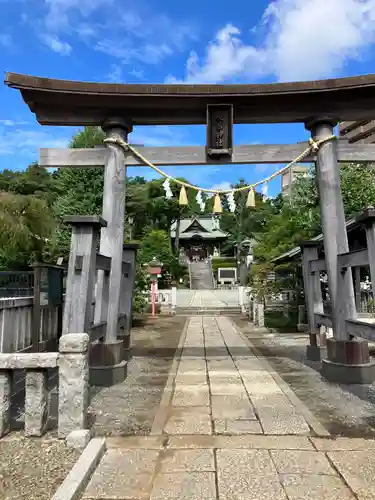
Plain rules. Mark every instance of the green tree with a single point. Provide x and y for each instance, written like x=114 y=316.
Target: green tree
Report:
x=25 y=224
x=298 y=218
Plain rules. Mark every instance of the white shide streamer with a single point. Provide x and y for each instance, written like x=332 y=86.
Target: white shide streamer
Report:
x=167 y=189
x=231 y=201
x=200 y=201
x=264 y=192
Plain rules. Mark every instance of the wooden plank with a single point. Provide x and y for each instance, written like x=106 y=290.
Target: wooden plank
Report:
x=311 y=284
x=317 y=265
x=370 y=238
x=103 y=262
x=126 y=266
x=81 y=276
x=353 y=259
x=354 y=327
x=363 y=130
x=361 y=329
x=196 y=155
x=97 y=331
x=323 y=319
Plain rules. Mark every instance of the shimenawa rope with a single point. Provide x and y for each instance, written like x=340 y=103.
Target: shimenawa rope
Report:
x=312 y=148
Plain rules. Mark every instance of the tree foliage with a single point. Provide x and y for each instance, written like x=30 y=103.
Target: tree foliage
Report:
x=298 y=218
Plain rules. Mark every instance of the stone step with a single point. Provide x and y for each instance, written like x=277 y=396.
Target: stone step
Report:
x=209 y=311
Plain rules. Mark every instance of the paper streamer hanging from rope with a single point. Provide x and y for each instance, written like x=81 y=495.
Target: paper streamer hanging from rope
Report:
x=231 y=201
x=200 y=201
x=167 y=189
x=183 y=199
x=265 y=191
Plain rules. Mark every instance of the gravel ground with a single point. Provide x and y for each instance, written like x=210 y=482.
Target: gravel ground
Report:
x=129 y=408
x=345 y=410
x=33 y=469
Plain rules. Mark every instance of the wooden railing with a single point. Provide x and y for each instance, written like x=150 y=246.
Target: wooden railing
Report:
x=16 y=324
x=312 y=266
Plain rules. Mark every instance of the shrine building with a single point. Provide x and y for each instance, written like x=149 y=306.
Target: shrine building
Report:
x=199 y=237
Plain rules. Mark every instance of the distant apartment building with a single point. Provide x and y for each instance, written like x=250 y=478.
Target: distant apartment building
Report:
x=289 y=177
x=362 y=132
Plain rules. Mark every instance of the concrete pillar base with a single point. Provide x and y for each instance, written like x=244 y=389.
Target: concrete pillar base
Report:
x=313 y=353
x=126 y=346
x=348 y=362
x=106 y=376
x=348 y=374
x=107 y=364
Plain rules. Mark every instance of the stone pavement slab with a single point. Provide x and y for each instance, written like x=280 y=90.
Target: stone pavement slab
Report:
x=231 y=432
x=123 y=474
x=257 y=442
x=185 y=486
x=237 y=426
x=301 y=462
x=358 y=469
x=315 y=487
x=188 y=420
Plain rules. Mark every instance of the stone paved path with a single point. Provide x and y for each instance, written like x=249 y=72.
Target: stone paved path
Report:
x=228 y=429
x=207 y=298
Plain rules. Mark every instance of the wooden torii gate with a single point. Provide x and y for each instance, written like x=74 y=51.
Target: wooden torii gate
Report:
x=320 y=105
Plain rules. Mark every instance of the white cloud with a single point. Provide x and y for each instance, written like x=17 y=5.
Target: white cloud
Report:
x=6 y=40
x=226 y=57
x=126 y=52
x=160 y=135
x=304 y=39
x=139 y=74
x=26 y=142
x=60 y=13
x=119 y=29
x=56 y=45
x=115 y=75
x=221 y=186
x=12 y=123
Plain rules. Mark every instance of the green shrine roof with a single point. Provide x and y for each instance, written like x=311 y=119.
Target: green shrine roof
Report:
x=206 y=228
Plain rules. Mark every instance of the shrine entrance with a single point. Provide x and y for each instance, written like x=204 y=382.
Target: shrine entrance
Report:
x=319 y=105
x=197 y=251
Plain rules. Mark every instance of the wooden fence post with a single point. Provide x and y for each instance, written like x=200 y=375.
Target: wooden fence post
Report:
x=313 y=296
x=81 y=272
x=368 y=219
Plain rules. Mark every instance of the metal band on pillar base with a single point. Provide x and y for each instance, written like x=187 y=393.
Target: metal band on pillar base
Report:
x=107 y=366
x=348 y=362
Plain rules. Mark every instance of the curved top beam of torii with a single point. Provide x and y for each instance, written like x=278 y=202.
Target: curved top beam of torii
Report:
x=64 y=102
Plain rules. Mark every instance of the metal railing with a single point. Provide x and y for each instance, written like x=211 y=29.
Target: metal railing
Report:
x=16 y=284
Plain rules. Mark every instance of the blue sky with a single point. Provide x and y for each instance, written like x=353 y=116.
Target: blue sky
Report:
x=213 y=41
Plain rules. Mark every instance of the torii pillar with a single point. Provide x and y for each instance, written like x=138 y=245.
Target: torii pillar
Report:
x=108 y=366
x=347 y=357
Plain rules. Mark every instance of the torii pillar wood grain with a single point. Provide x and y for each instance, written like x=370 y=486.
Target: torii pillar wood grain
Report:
x=107 y=366
x=112 y=236
x=344 y=354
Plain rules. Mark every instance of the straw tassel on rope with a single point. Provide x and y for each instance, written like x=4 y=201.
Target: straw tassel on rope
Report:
x=217 y=205
x=251 y=198
x=183 y=197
